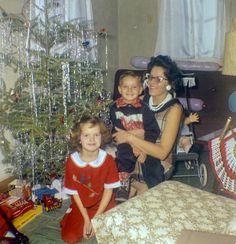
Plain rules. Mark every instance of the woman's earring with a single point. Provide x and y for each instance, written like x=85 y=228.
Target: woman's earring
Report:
x=168 y=87
x=145 y=83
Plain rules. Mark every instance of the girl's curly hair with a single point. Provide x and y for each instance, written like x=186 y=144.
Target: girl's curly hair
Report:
x=74 y=142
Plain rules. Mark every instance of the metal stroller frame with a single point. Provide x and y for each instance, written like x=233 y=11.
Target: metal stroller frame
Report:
x=190 y=159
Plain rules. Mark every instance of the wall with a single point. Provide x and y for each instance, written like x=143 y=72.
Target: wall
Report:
x=106 y=16
x=137 y=29
x=12 y=6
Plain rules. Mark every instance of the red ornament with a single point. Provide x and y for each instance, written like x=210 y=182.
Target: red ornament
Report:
x=103 y=30
x=99 y=102
x=61 y=119
x=71 y=110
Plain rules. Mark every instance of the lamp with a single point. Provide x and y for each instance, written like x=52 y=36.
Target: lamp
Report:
x=229 y=62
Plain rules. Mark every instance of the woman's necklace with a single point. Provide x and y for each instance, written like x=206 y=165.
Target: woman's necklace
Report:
x=154 y=107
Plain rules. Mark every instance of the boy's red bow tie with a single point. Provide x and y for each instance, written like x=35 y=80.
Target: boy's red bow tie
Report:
x=121 y=103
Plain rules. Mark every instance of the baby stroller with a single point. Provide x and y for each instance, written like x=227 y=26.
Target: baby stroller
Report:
x=191 y=159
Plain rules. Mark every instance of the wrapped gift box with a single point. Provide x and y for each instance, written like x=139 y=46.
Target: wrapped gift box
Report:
x=20 y=188
x=25 y=218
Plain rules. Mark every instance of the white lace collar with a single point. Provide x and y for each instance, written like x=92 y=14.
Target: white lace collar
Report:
x=96 y=163
x=159 y=106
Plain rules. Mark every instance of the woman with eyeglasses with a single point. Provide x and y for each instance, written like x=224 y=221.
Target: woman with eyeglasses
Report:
x=163 y=79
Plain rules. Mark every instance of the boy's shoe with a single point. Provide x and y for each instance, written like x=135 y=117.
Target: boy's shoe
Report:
x=169 y=172
x=122 y=194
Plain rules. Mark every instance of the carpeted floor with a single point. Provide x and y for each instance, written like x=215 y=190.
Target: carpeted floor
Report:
x=45 y=228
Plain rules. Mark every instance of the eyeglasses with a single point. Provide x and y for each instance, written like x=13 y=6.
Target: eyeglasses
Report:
x=157 y=79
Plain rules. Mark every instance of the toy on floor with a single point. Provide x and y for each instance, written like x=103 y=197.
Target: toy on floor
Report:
x=8 y=232
x=50 y=202
x=20 y=188
x=38 y=193
x=15 y=205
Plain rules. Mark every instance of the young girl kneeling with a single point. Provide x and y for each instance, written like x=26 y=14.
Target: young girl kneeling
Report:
x=90 y=177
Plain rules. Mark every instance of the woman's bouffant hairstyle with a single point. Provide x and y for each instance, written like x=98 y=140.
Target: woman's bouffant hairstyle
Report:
x=74 y=142
x=172 y=72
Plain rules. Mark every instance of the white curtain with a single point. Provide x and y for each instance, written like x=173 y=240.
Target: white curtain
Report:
x=78 y=12
x=191 y=29
x=81 y=9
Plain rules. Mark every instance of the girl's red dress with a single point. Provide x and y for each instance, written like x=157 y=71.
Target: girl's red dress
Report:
x=87 y=180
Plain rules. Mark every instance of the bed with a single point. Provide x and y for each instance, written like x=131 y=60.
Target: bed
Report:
x=160 y=215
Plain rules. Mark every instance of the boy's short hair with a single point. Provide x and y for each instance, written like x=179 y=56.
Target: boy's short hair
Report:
x=130 y=73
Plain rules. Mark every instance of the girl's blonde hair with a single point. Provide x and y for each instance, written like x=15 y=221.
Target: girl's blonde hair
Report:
x=74 y=142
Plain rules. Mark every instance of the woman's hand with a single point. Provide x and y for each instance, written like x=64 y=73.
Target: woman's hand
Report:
x=141 y=158
x=121 y=136
x=136 y=151
x=88 y=231
x=138 y=132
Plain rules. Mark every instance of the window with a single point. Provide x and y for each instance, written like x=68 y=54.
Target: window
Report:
x=190 y=29
x=68 y=10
